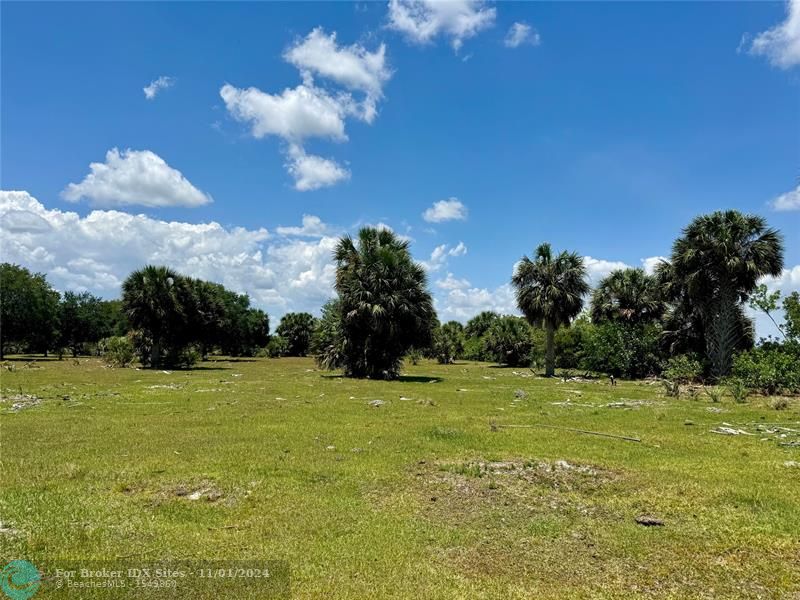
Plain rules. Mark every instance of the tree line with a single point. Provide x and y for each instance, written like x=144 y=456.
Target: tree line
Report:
x=690 y=312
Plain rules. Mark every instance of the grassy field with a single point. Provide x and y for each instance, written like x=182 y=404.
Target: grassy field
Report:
x=428 y=495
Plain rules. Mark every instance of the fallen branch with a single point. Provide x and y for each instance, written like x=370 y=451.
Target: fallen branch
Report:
x=585 y=431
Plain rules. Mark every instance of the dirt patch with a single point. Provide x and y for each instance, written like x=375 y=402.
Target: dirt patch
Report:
x=507 y=491
x=20 y=401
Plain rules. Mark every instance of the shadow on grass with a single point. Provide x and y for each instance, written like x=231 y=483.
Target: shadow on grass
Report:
x=402 y=378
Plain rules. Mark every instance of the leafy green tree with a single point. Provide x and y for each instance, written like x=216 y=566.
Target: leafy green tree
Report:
x=714 y=267
x=509 y=341
x=627 y=296
x=622 y=349
x=791 y=309
x=448 y=342
x=478 y=325
x=386 y=308
x=761 y=299
x=28 y=309
x=550 y=290
x=297 y=329
x=83 y=319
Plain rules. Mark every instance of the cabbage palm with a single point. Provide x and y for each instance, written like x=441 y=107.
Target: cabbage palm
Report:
x=550 y=290
x=628 y=296
x=714 y=266
x=385 y=305
x=152 y=303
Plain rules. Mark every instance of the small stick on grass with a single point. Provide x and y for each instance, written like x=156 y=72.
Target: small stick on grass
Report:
x=585 y=431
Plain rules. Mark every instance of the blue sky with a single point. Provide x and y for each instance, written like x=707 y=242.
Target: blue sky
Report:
x=601 y=127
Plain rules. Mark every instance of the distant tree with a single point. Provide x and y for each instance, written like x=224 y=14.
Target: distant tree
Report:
x=328 y=343
x=297 y=329
x=627 y=296
x=83 y=319
x=115 y=322
x=28 y=309
x=714 y=267
x=480 y=324
x=152 y=298
x=509 y=341
x=767 y=302
x=550 y=290
x=386 y=308
x=622 y=349
x=448 y=342
x=791 y=309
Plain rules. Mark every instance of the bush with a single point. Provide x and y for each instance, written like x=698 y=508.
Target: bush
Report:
x=621 y=349
x=738 y=390
x=509 y=341
x=448 y=342
x=277 y=347
x=682 y=369
x=770 y=368
x=117 y=351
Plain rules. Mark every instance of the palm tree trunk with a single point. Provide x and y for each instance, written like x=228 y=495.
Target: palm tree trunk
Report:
x=722 y=334
x=155 y=354
x=550 y=350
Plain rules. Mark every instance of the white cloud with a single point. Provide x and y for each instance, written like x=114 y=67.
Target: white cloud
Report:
x=135 y=177
x=650 y=263
x=312 y=172
x=423 y=20
x=788 y=201
x=295 y=114
x=97 y=252
x=452 y=283
x=598 y=268
x=309 y=111
x=781 y=44
x=462 y=302
x=788 y=281
x=446 y=210
x=312 y=227
x=162 y=83
x=441 y=254
x=522 y=33
x=351 y=66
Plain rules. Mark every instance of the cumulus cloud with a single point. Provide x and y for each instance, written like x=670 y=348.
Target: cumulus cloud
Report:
x=312 y=227
x=521 y=33
x=135 y=177
x=441 y=254
x=311 y=111
x=295 y=114
x=598 y=268
x=446 y=210
x=353 y=66
x=312 y=172
x=788 y=201
x=98 y=251
x=462 y=301
x=162 y=83
x=423 y=20
x=650 y=263
x=781 y=44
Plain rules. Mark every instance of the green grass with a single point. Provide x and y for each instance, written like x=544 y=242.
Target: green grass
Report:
x=418 y=498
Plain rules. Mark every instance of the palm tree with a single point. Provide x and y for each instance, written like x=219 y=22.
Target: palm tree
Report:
x=550 y=291
x=385 y=306
x=628 y=296
x=714 y=266
x=151 y=300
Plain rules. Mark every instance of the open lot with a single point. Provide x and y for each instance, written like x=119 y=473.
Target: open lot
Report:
x=428 y=494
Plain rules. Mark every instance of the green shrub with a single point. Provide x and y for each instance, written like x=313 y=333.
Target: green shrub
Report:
x=621 y=349
x=682 y=369
x=738 y=390
x=769 y=368
x=117 y=351
x=509 y=341
x=277 y=347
